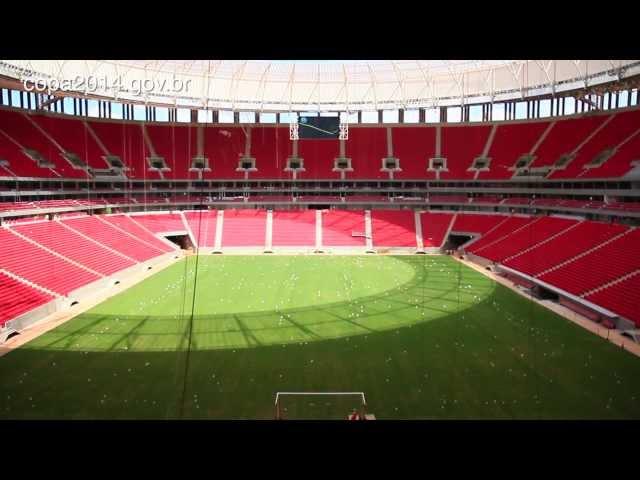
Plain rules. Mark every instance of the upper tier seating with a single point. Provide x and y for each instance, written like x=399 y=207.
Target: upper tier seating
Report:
x=460 y=146
x=17 y=298
x=366 y=148
x=40 y=266
x=564 y=137
x=270 y=146
x=414 y=146
x=244 y=228
x=223 y=146
x=510 y=142
x=60 y=239
x=126 y=141
x=17 y=132
x=434 y=228
x=620 y=127
x=619 y=163
x=393 y=228
x=177 y=145
x=294 y=228
x=318 y=156
x=339 y=227
x=74 y=137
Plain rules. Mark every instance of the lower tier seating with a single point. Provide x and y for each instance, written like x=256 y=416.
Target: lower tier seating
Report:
x=161 y=222
x=17 y=298
x=622 y=298
x=74 y=246
x=244 y=228
x=41 y=267
x=203 y=225
x=393 y=228
x=113 y=238
x=580 y=239
x=126 y=223
x=434 y=228
x=343 y=228
x=294 y=228
x=603 y=265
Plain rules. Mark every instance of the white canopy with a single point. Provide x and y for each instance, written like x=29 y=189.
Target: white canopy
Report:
x=319 y=85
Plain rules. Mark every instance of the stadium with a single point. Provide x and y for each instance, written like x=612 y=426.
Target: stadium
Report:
x=327 y=240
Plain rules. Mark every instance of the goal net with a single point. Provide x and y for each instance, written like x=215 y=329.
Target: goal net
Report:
x=320 y=406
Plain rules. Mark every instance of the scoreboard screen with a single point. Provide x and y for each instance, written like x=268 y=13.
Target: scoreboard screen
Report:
x=318 y=127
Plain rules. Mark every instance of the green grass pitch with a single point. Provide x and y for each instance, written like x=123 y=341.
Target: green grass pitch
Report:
x=424 y=337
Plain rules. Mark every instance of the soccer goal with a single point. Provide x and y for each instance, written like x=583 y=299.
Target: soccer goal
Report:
x=321 y=406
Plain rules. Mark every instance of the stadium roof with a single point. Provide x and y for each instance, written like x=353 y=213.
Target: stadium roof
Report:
x=318 y=85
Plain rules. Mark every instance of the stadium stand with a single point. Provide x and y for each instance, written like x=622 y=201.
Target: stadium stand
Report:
x=510 y=142
x=522 y=239
x=113 y=238
x=606 y=263
x=65 y=241
x=622 y=297
x=414 y=147
x=505 y=228
x=244 y=228
x=318 y=158
x=73 y=137
x=92 y=140
x=460 y=146
x=203 y=226
x=617 y=129
x=564 y=137
x=393 y=228
x=435 y=227
x=585 y=236
x=161 y=222
x=294 y=228
x=17 y=298
x=366 y=147
x=343 y=228
x=476 y=223
x=40 y=266
x=129 y=225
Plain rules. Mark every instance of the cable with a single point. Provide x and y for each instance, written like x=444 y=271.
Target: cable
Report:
x=193 y=302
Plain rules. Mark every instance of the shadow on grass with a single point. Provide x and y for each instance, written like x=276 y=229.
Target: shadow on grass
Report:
x=499 y=357
x=407 y=304
x=451 y=367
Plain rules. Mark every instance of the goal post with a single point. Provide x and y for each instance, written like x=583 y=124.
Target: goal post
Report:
x=320 y=405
